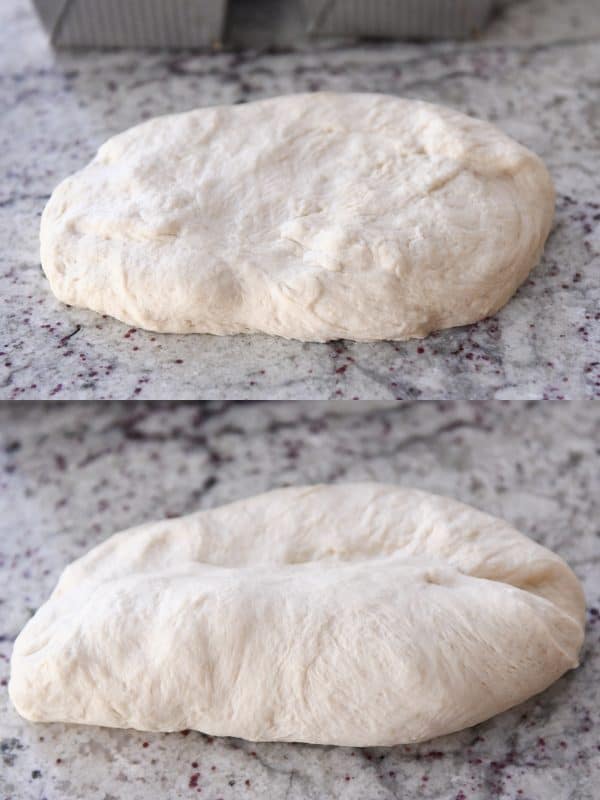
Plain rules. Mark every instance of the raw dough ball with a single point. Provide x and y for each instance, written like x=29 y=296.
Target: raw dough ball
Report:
x=359 y=614
x=313 y=216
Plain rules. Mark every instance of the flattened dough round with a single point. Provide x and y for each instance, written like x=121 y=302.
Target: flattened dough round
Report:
x=311 y=216
x=358 y=614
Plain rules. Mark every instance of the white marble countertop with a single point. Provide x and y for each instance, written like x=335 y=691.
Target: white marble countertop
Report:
x=70 y=475
x=534 y=73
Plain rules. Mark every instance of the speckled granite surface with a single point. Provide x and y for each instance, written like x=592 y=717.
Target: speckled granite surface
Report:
x=534 y=73
x=72 y=475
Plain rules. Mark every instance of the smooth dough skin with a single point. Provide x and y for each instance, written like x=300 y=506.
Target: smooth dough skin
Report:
x=313 y=216
x=357 y=614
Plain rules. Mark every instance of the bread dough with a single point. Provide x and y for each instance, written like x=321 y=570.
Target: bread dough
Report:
x=312 y=216
x=358 y=614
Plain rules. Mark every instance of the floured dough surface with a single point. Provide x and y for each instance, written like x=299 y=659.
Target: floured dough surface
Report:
x=358 y=614
x=311 y=216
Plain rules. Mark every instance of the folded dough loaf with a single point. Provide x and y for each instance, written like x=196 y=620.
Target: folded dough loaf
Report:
x=313 y=216
x=359 y=614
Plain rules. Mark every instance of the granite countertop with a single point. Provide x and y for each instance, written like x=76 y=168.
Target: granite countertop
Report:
x=534 y=73
x=70 y=475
